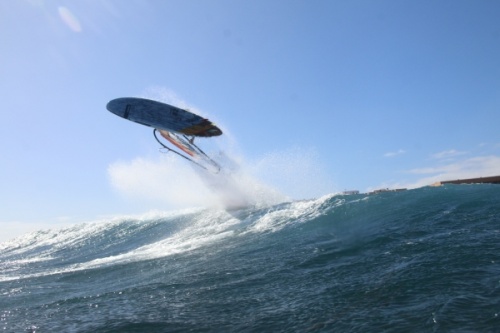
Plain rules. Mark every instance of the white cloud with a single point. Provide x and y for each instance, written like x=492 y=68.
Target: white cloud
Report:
x=394 y=153
x=448 y=154
x=481 y=166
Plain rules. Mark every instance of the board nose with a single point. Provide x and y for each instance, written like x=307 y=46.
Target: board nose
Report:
x=117 y=107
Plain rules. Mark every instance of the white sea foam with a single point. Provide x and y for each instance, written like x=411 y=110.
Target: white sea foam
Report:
x=204 y=228
x=43 y=245
x=294 y=212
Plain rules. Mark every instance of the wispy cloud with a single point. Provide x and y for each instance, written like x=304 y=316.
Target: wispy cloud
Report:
x=394 y=153
x=448 y=154
x=481 y=166
x=69 y=19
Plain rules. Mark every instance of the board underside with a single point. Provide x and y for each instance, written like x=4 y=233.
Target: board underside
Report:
x=162 y=116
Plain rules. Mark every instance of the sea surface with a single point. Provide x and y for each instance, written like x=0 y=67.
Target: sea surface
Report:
x=424 y=260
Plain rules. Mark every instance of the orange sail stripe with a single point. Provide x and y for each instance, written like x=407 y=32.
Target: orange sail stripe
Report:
x=176 y=143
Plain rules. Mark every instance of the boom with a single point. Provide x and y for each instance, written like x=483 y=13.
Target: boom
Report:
x=186 y=145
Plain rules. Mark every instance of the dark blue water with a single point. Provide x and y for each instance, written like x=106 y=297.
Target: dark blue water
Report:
x=425 y=260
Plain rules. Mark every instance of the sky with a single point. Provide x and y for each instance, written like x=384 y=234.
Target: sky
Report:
x=314 y=97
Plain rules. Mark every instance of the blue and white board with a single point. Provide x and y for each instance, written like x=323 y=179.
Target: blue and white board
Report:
x=162 y=116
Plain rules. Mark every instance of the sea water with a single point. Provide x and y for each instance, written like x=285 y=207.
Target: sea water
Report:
x=424 y=260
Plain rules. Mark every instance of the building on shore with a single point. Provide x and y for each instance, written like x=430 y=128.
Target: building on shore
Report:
x=351 y=192
x=387 y=190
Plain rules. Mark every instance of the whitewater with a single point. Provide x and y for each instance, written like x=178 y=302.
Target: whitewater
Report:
x=421 y=260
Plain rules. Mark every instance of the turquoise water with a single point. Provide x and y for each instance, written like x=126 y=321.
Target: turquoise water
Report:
x=425 y=260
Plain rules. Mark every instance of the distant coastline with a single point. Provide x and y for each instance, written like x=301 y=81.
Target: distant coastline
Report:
x=480 y=180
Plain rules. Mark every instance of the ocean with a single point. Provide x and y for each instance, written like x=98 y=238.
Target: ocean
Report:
x=423 y=260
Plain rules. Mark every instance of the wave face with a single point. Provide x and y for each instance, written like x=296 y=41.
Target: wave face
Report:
x=421 y=260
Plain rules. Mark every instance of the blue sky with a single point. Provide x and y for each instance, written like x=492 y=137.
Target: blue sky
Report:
x=314 y=98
